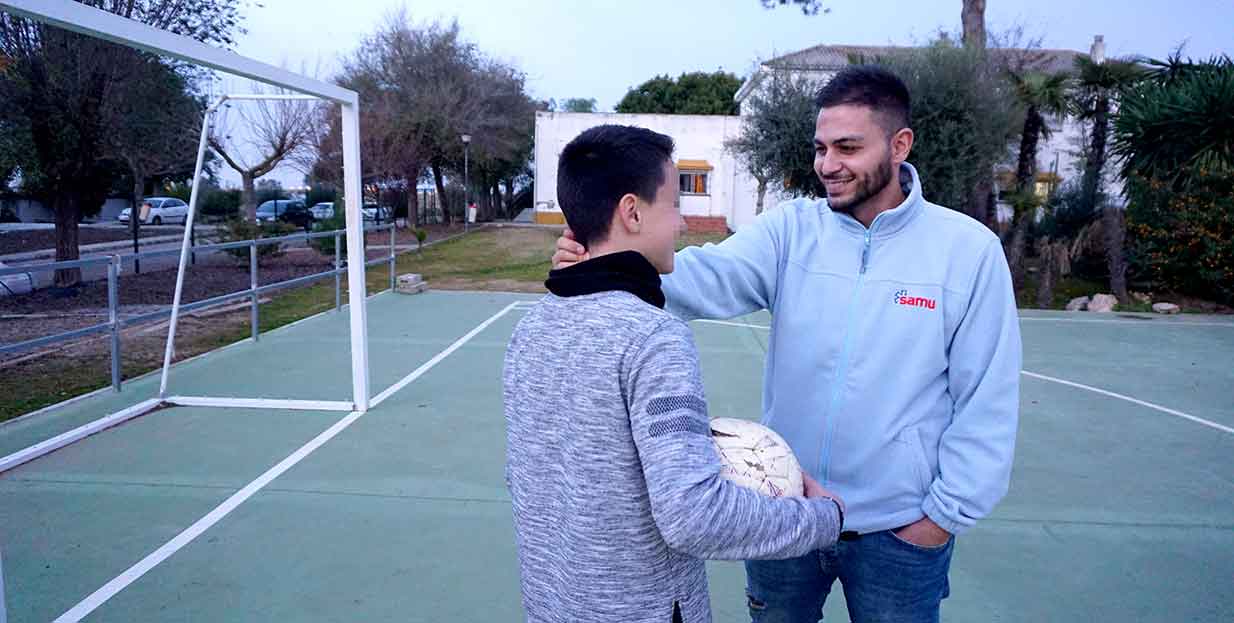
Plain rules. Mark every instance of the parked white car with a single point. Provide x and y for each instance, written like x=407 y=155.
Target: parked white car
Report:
x=162 y=210
x=373 y=212
x=323 y=210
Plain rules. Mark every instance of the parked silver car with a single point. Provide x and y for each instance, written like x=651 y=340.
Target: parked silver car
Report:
x=161 y=210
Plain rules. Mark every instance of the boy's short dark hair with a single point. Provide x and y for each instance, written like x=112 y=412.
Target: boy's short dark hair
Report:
x=873 y=87
x=600 y=166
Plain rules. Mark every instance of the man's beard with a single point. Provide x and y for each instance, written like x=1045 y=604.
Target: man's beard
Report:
x=867 y=186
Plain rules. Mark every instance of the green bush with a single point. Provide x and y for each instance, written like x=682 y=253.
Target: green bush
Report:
x=1183 y=239
x=236 y=230
x=218 y=204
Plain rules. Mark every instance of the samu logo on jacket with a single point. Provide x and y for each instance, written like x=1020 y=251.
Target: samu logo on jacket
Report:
x=902 y=298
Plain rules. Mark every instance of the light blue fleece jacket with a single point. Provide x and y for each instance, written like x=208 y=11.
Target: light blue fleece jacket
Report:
x=893 y=363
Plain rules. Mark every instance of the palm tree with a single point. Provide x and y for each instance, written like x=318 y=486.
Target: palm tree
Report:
x=1098 y=83
x=1041 y=95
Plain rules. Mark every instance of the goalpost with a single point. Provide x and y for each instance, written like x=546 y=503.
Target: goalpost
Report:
x=97 y=23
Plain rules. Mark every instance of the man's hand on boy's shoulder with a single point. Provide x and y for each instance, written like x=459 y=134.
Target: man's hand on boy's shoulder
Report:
x=569 y=252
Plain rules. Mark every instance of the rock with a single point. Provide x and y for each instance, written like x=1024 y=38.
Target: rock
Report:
x=1078 y=304
x=1142 y=298
x=410 y=283
x=1102 y=303
x=1166 y=308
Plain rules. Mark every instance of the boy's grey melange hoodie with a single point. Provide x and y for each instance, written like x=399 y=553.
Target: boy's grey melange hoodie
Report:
x=615 y=483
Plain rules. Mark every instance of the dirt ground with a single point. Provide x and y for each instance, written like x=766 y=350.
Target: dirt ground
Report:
x=39 y=239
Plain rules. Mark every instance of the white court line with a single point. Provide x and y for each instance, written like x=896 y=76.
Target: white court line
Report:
x=1103 y=392
x=1136 y=321
x=120 y=582
x=442 y=355
x=81 y=432
x=261 y=403
x=1185 y=416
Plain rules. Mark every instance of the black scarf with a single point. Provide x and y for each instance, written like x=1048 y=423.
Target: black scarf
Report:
x=627 y=271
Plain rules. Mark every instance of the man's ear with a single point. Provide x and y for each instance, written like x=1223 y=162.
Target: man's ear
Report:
x=629 y=213
x=901 y=145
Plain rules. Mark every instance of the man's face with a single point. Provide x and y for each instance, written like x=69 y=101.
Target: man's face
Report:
x=852 y=155
x=661 y=222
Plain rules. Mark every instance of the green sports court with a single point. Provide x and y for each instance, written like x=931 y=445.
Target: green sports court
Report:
x=1121 y=506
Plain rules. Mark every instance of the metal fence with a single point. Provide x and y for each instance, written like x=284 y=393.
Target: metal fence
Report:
x=115 y=324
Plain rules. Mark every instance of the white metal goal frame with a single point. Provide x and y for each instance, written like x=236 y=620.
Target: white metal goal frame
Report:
x=86 y=20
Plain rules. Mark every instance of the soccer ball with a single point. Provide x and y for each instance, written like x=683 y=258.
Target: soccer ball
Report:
x=755 y=457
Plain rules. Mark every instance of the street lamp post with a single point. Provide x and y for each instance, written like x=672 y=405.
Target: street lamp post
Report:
x=466 y=180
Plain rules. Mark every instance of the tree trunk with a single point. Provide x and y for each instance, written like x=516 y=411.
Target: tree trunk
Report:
x=139 y=189
x=66 y=208
x=510 y=199
x=1049 y=271
x=1090 y=185
x=981 y=204
x=442 y=199
x=248 y=197
x=972 y=16
x=1015 y=249
x=1114 y=226
x=413 y=206
x=762 y=194
x=1026 y=166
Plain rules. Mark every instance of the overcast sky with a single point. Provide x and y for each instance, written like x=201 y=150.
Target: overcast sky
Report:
x=599 y=49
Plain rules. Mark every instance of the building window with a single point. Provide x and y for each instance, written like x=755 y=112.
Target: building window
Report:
x=693 y=182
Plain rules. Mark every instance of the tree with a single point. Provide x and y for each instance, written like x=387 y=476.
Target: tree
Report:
x=578 y=104
x=965 y=117
x=156 y=123
x=1100 y=81
x=58 y=89
x=424 y=86
x=696 y=93
x=972 y=19
x=266 y=133
x=1175 y=136
x=774 y=140
x=1041 y=95
x=808 y=7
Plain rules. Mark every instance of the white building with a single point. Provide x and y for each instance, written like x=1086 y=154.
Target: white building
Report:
x=717 y=192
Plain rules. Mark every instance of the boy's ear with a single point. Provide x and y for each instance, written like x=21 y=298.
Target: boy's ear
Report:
x=629 y=213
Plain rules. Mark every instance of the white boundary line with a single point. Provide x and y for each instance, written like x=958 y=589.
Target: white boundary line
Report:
x=120 y=582
x=1104 y=392
x=1176 y=413
x=261 y=403
x=442 y=355
x=81 y=432
x=1137 y=321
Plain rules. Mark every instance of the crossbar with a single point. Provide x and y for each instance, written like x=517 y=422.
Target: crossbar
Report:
x=94 y=22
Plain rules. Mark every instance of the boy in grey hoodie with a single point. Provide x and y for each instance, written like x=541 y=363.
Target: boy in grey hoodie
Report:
x=615 y=484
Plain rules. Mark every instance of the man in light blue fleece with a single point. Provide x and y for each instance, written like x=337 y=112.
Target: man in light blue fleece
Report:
x=893 y=363
x=614 y=479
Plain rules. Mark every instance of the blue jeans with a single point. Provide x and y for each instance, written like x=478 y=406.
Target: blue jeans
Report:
x=885 y=579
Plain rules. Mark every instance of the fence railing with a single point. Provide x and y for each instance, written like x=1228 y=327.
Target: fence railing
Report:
x=115 y=323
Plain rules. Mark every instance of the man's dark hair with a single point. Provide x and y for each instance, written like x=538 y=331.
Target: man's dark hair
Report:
x=873 y=87
x=602 y=165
